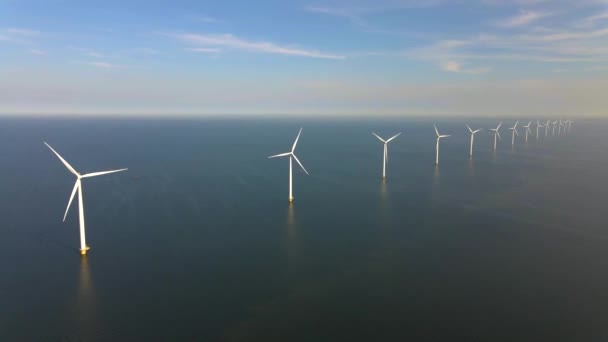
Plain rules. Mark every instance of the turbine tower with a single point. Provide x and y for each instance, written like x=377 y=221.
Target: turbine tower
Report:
x=527 y=127
x=538 y=126
x=554 y=124
x=514 y=129
x=291 y=155
x=472 y=139
x=385 y=157
x=439 y=136
x=78 y=187
x=559 y=132
x=496 y=133
x=547 y=127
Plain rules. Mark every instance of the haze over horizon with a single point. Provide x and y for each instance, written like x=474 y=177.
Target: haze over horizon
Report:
x=388 y=57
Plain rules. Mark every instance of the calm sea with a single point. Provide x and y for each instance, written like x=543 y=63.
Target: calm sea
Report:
x=196 y=241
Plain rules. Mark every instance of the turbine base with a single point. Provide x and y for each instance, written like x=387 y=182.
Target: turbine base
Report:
x=84 y=251
x=290 y=199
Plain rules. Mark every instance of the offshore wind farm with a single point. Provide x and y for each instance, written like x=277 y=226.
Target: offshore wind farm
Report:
x=185 y=214
x=305 y=170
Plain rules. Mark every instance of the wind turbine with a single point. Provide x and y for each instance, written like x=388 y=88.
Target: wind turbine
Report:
x=554 y=124
x=439 y=136
x=385 y=157
x=538 y=126
x=559 y=132
x=496 y=133
x=78 y=187
x=547 y=127
x=514 y=129
x=527 y=127
x=472 y=138
x=291 y=155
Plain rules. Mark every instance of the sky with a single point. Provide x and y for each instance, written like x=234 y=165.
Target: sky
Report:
x=517 y=58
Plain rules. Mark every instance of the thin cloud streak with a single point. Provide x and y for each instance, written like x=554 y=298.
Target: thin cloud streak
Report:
x=234 y=42
x=523 y=19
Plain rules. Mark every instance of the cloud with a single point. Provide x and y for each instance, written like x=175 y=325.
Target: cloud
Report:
x=106 y=65
x=233 y=42
x=456 y=67
x=522 y=19
x=23 y=32
x=38 y=52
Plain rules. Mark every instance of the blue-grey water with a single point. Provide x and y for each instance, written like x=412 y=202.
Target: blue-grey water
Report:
x=196 y=241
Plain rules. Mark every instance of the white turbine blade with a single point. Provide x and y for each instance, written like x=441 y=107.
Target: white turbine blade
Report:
x=302 y=166
x=394 y=136
x=93 y=174
x=477 y=131
x=280 y=155
x=498 y=127
x=444 y=136
x=515 y=130
x=470 y=130
x=498 y=134
x=296 y=142
x=516 y=122
x=63 y=160
x=436 y=131
x=376 y=135
x=71 y=198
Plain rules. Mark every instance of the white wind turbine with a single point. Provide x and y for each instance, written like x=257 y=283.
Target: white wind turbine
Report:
x=538 y=126
x=385 y=157
x=547 y=127
x=514 y=129
x=554 y=124
x=439 y=136
x=561 y=124
x=527 y=127
x=291 y=155
x=78 y=187
x=472 y=138
x=496 y=133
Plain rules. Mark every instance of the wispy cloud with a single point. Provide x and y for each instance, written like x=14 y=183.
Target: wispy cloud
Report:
x=522 y=19
x=234 y=42
x=107 y=65
x=23 y=32
x=38 y=52
x=456 y=67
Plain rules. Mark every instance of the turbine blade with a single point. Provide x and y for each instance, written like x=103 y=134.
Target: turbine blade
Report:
x=436 y=131
x=63 y=160
x=516 y=132
x=477 y=130
x=88 y=175
x=444 y=136
x=302 y=166
x=376 y=135
x=296 y=142
x=76 y=185
x=470 y=130
x=280 y=155
x=498 y=134
x=394 y=136
x=498 y=127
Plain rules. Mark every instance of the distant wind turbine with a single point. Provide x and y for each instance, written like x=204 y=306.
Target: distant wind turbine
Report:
x=538 y=126
x=472 y=139
x=78 y=187
x=496 y=133
x=291 y=155
x=527 y=127
x=514 y=129
x=547 y=127
x=385 y=157
x=554 y=124
x=439 y=136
